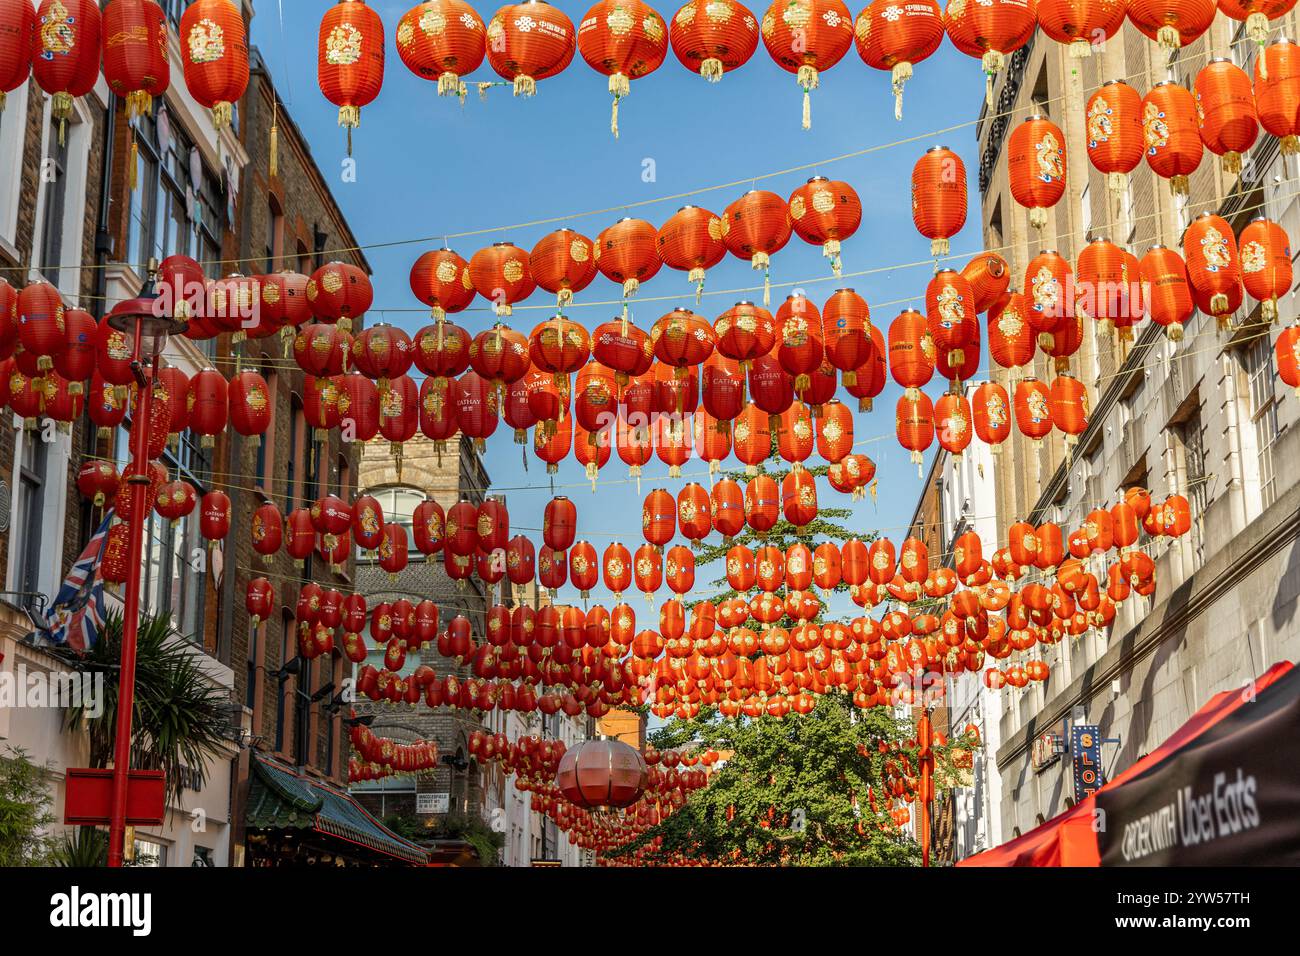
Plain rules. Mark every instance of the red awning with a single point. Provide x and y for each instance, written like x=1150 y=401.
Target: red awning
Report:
x=1069 y=839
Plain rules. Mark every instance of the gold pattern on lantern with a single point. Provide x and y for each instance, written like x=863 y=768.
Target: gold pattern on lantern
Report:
x=207 y=42
x=823 y=201
x=619 y=21
x=57 y=35
x=513 y=270
x=343 y=45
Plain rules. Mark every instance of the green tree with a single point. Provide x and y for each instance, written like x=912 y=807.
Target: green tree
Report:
x=180 y=717
x=24 y=812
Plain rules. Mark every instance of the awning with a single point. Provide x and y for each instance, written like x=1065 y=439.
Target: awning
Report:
x=1138 y=805
x=281 y=798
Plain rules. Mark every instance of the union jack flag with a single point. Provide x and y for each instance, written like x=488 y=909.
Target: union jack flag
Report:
x=77 y=614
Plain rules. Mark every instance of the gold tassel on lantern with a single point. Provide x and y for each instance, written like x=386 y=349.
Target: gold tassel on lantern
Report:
x=711 y=69
x=449 y=84
x=993 y=62
x=133 y=173
x=275 y=140
x=525 y=86
x=902 y=72
x=831 y=250
x=809 y=80
x=619 y=87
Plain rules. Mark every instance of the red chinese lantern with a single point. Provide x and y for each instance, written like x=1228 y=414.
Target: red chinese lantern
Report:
x=647 y=570
x=752 y=438
x=1169 y=294
x=952 y=423
x=659 y=518
x=911 y=352
x=1036 y=164
x=399 y=415
x=175 y=500
x=249 y=405
x=1172 y=23
x=1265 y=264
x=795 y=434
x=914 y=424
x=1225 y=110
x=1277 y=93
x=824 y=213
x=428 y=527
x=755 y=226
x=393 y=552
x=207 y=402
x=727 y=508
x=584 y=572
x=894 y=38
x=382 y=352
x=800 y=348
x=682 y=340
x=1049 y=283
x=267 y=531
x=563 y=262
x=442 y=40
x=722 y=390
x=938 y=186
x=17 y=45
x=624 y=40
x=76 y=362
x=259 y=600
x=359 y=407
x=1113 y=131
x=97 y=480
x=500 y=272
x=367 y=523
x=42 y=329
x=950 y=316
x=1101 y=281
x=66 y=56
x=1069 y=409
x=350 y=60
x=1170 y=131
x=284 y=302
x=559 y=523
x=799 y=498
x=691 y=242
x=440 y=279
x=715 y=37
x=846 y=339
x=529 y=41
x=1213 y=266
x=476 y=408
x=626 y=253
x=1081 y=23
x=214 y=516
x=1257 y=15
x=990 y=31
x=214 y=56
x=805 y=37
x=136 y=66
x=762 y=503
x=991 y=410
x=1033 y=409
x=1011 y=337
x=339 y=292
x=834 y=431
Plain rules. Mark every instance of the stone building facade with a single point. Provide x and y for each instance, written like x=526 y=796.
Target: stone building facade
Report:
x=1206 y=418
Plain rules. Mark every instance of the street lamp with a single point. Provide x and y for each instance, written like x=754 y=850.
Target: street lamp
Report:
x=146 y=322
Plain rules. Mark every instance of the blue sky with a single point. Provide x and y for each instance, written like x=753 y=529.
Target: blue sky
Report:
x=426 y=167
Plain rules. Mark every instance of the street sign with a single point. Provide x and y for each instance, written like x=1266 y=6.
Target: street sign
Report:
x=89 y=798
x=432 y=802
x=1047 y=749
x=1085 y=752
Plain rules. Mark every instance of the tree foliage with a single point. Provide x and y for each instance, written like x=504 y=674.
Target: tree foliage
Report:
x=794 y=791
x=25 y=815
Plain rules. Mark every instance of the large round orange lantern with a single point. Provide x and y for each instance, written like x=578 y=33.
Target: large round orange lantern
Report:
x=1033 y=407
x=1011 y=337
x=950 y=315
x=938 y=193
x=624 y=40
x=805 y=37
x=1081 y=23
x=214 y=56
x=896 y=38
x=501 y=273
x=1287 y=350
x=1225 y=111
x=826 y=212
x=626 y=253
x=991 y=410
x=1257 y=15
x=691 y=242
x=599 y=774
x=350 y=60
x=442 y=40
x=914 y=424
x=1171 y=133
x=952 y=423
x=911 y=351
x=1213 y=266
x=1169 y=294
x=990 y=30
x=563 y=262
x=136 y=65
x=710 y=37
x=1069 y=411
x=529 y=41
x=757 y=225
x=1266 y=269
x=66 y=56
x=1036 y=164
x=1113 y=132
x=1172 y=23
x=1277 y=93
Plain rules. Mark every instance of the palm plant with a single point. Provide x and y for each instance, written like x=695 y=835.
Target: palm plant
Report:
x=180 y=717
x=83 y=848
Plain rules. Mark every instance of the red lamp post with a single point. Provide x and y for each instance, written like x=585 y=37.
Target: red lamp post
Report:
x=925 y=738
x=147 y=322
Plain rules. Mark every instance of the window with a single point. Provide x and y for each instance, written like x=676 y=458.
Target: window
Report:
x=274 y=235
x=177 y=207
x=398 y=504
x=297 y=426
x=54 y=177
x=286 y=652
x=1263 y=413
x=1191 y=437
x=13 y=136
x=32 y=469
x=175 y=571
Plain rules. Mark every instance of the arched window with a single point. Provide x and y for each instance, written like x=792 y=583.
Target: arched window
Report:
x=399 y=503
